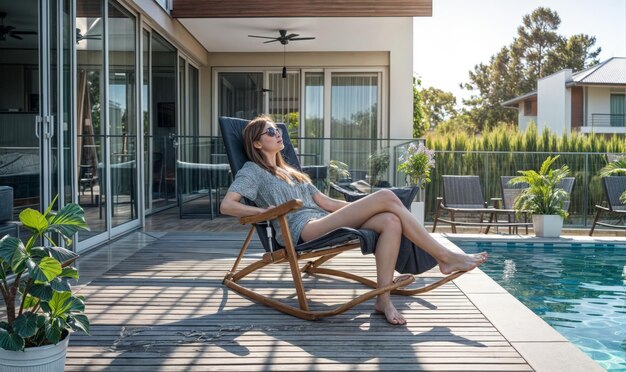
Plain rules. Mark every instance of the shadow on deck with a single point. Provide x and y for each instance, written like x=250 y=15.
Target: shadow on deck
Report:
x=164 y=307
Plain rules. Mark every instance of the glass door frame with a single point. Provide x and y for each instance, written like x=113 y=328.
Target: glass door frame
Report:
x=111 y=232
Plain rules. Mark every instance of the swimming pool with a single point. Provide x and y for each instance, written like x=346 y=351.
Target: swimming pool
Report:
x=577 y=288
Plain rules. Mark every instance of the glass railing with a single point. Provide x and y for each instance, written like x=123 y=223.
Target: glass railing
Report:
x=368 y=165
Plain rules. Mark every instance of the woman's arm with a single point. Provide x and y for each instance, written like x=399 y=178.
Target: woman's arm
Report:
x=231 y=206
x=327 y=203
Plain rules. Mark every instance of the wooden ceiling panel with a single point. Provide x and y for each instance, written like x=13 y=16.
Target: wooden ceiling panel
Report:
x=300 y=8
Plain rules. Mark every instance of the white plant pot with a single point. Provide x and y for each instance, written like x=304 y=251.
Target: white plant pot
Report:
x=417 y=209
x=49 y=358
x=547 y=226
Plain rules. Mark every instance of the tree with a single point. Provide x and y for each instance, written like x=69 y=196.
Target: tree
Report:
x=537 y=39
x=419 y=124
x=537 y=51
x=438 y=106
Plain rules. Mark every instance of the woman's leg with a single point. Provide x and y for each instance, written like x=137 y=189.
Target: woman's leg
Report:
x=387 y=225
x=385 y=201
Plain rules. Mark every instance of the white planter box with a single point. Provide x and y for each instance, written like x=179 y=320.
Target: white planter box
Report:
x=417 y=209
x=49 y=358
x=547 y=226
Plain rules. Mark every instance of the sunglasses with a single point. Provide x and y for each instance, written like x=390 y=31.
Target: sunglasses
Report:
x=271 y=131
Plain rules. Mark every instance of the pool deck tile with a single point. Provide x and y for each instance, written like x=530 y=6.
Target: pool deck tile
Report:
x=555 y=356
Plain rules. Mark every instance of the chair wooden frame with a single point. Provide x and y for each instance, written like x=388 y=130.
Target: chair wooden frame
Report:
x=614 y=186
x=290 y=256
x=315 y=252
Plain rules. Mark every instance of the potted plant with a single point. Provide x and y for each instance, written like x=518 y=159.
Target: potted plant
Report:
x=543 y=197
x=416 y=163
x=378 y=163
x=41 y=310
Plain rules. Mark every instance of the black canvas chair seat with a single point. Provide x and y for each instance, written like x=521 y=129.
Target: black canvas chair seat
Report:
x=614 y=186
x=320 y=250
x=464 y=195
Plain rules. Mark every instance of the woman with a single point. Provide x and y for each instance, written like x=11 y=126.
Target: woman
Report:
x=269 y=181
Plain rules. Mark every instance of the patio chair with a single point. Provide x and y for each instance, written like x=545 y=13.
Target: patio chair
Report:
x=317 y=251
x=614 y=186
x=464 y=195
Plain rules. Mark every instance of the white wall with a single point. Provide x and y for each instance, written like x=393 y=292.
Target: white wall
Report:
x=554 y=107
x=598 y=102
x=522 y=120
x=401 y=80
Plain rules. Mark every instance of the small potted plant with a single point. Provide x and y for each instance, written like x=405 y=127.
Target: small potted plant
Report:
x=543 y=197
x=35 y=278
x=378 y=163
x=416 y=163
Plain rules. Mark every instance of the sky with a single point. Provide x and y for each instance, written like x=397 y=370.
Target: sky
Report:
x=462 y=33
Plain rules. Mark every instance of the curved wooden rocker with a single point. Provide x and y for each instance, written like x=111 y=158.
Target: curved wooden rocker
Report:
x=316 y=252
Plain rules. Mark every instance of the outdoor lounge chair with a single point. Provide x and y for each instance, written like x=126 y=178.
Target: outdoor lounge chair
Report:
x=614 y=186
x=317 y=251
x=464 y=195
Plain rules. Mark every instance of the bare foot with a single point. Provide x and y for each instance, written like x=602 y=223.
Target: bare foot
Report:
x=462 y=262
x=392 y=315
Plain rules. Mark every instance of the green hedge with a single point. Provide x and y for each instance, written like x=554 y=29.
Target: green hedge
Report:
x=503 y=151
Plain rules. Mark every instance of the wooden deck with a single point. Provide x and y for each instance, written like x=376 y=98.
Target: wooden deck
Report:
x=164 y=308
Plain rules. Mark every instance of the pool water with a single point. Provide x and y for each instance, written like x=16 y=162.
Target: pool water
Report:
x=579 y=289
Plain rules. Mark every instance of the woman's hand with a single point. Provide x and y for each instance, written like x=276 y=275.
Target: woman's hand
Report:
x=232 y=206
x=327 y=203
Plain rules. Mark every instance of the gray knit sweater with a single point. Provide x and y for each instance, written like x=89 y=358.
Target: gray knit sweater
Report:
x=265 y=189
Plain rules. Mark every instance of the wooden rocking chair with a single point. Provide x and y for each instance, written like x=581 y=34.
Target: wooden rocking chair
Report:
x=317 y=251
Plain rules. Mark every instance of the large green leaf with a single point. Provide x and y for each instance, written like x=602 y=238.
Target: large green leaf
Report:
x=53 y=333
x=9 y=246
x=25 y=325
x=11 y=341
x=45 y=270
x=78 y=322
x=30 y=301
x=60 y=303
x=43 y=291
x=69 y=220
x=59 y=284
x=63 y=255
x=69 y=272
x=34 y=220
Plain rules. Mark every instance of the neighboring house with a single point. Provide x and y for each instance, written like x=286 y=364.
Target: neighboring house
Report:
x=589 y=101
x=128 y=87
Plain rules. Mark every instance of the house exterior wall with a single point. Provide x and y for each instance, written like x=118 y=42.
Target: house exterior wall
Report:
x=524 y=120
x=598 y=102
x=554 y=102
x=577 y=108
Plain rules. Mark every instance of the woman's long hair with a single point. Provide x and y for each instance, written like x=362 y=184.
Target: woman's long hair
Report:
x=253 y=132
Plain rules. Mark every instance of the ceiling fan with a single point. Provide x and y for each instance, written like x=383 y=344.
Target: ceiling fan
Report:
x=283 y=38
x=10 y=30
x=80 y=36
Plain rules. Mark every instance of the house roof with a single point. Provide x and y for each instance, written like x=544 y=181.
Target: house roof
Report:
x=610 y=72
x=514 y=101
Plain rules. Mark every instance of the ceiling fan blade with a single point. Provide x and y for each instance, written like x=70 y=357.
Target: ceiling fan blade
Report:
x=271 y=41
x=23 y=32
x=303 y=38
x=15 y=36
x=291 y=36
x=262 y=37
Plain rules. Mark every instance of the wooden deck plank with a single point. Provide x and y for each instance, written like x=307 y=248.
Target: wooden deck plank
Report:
x=165 y=308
